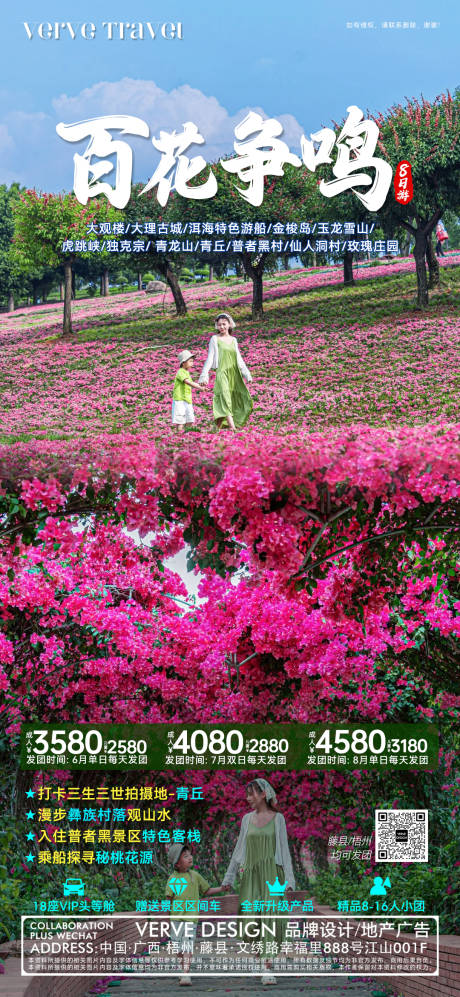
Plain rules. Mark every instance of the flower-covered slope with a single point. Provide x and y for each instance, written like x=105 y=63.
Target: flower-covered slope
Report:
x=324 y=356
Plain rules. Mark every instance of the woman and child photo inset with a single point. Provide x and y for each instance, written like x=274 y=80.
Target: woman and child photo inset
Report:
x=260 y=857
x=232 y=404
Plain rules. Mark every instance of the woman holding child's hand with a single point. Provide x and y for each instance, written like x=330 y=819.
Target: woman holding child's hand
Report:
x=231 y=402
x=262 y=857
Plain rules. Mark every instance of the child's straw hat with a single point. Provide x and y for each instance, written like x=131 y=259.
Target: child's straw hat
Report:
x=185 y=355
x=175 y=852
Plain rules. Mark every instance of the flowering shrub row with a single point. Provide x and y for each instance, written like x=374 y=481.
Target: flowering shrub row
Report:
x=47 y=319
x=328 y=567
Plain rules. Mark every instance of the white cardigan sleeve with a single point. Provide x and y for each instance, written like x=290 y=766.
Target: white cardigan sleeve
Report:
x=210 y=363
x=285 y=854
x=239 y=851
x=241 y=364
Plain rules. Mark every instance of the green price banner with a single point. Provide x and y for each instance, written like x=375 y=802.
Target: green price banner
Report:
x=228 y=746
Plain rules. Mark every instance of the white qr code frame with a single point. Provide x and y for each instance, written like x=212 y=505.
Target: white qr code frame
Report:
x=399 y=850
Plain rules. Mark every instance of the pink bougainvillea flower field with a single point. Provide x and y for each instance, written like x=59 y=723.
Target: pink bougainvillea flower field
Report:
x=325 y=561
x=323 y=356
x=325 y=534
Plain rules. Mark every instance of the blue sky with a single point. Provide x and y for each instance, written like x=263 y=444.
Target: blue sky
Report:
x=297 y=62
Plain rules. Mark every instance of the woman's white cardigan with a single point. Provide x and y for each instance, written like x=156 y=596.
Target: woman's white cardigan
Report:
x=282 y=853
x=212 y=361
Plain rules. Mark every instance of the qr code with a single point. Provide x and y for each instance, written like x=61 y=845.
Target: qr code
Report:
x=401 y=835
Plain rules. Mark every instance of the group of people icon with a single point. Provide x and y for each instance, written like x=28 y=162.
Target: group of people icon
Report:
x=379 y=889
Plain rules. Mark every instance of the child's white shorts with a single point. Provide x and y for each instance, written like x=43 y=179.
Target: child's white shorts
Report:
x=182 y=412
x=185 y=936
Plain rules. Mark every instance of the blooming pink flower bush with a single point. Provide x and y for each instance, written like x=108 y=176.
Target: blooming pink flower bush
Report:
x=337 y=576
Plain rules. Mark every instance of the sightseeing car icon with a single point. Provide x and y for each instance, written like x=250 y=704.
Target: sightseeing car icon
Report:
x=74 y=887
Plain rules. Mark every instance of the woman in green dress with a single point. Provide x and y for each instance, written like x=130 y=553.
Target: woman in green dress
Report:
x=232 y=402
x=261 y=855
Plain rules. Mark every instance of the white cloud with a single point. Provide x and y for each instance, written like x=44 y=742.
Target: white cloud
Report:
x=44 y=160
x=6 y=140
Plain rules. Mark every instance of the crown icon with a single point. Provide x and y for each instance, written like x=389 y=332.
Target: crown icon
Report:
x=276 y=889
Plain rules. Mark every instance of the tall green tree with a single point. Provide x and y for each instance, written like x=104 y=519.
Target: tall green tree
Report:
x=285 y=199
x=144 y=208
x=13 y=281
x=427 y=135
x=343 y=208
x=46 y=225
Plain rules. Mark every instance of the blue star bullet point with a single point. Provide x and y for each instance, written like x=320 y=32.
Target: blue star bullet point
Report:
x=30 y=858
x=30 y=815
x=30 y=794
x=31 y=836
